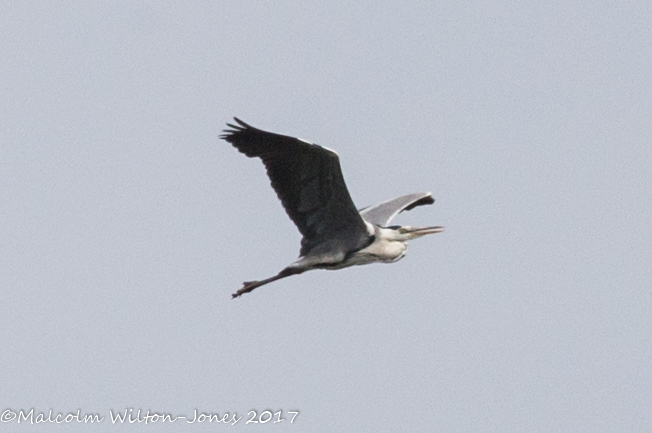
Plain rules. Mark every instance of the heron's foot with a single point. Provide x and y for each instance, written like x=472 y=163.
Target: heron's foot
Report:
x=247 y=287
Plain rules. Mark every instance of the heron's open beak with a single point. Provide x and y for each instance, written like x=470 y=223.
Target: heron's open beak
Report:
x=420 y=231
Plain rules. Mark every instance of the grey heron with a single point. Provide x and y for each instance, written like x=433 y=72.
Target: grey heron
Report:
x=308 y=180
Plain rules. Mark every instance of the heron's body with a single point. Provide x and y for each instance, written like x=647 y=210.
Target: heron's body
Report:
x=308 y=180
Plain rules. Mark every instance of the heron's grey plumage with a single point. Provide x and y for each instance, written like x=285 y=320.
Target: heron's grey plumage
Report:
x=382 y=214
x=308 y=180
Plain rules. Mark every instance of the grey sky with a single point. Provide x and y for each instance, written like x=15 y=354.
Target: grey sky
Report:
x=125 y=224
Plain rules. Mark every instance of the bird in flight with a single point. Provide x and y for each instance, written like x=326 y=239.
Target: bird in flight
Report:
x=308 y=180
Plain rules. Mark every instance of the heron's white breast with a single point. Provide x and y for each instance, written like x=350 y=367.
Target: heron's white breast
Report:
x=385 y=251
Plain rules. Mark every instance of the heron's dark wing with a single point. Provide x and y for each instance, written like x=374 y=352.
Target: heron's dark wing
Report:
x=381 y=214
x=308 y=180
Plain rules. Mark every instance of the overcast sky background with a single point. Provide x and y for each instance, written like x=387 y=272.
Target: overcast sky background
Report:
x=126 y=224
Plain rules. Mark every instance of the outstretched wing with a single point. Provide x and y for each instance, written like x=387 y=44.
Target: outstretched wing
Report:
x=381 y=214
x=308 y=180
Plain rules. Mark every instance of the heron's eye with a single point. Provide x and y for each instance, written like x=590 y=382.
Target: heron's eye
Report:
x=402 y=230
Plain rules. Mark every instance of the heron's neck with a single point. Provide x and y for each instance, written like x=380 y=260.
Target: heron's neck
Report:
x=390 y=235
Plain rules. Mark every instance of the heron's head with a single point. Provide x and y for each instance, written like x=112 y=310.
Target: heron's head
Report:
x=406 y=233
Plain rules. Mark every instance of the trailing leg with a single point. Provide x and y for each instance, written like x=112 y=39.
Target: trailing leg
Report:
x=248 y=286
